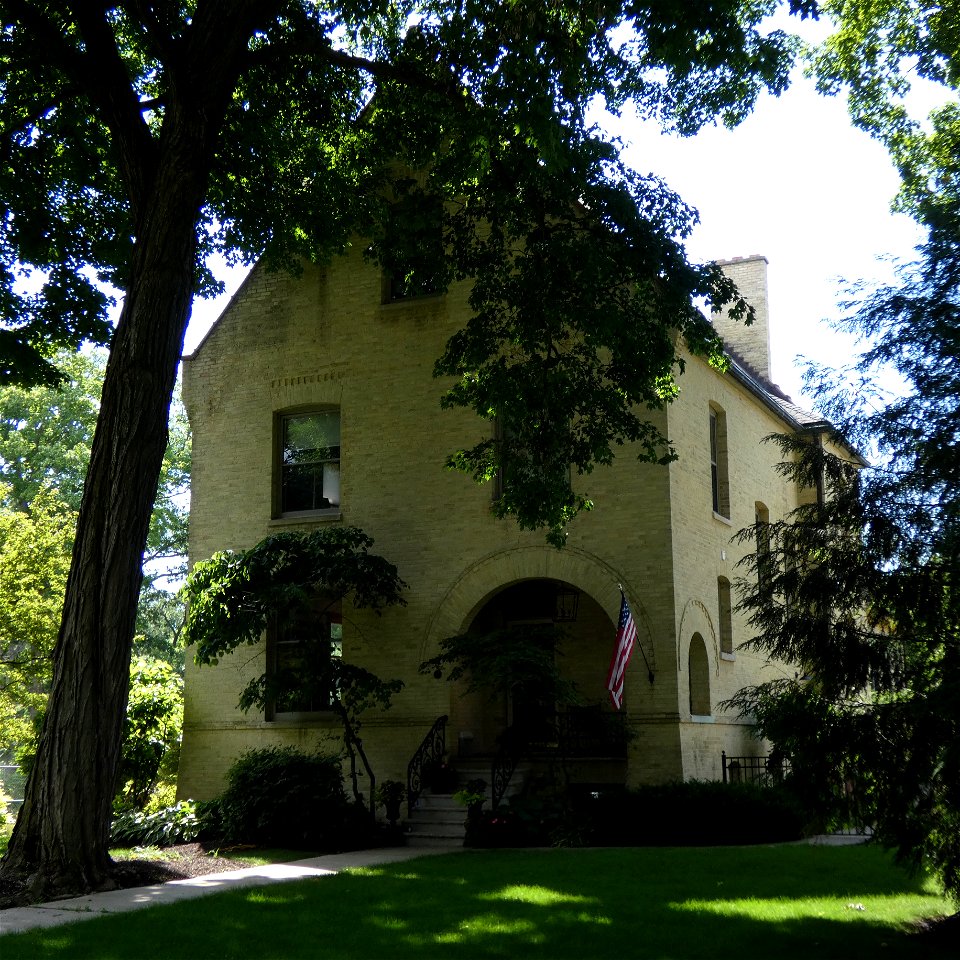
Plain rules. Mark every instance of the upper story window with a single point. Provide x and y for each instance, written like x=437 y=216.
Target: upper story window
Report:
x=719 y=476
x=762 y=538
x=308 y=462
x=726 y=615
x=411 y=250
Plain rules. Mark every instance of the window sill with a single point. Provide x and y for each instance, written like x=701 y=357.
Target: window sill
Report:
x=731 y=657
x=318 y=717
x=308 y=516
x=700 y=718
x=722 y=518
x=410 y=301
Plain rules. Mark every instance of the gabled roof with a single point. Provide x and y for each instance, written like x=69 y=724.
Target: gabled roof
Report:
x=801 y=420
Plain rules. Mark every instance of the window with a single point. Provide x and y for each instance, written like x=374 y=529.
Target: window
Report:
x=699 y=677
x=411 y=251
x=518 y=459
x=301 y=656
x=762 y=538
x=719 y=480
x=309 y=462
x=726 y=615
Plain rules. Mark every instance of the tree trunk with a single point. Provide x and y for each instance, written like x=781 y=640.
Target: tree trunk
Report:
x=62 y=834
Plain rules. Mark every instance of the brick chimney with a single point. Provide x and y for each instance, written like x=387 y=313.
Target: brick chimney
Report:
x=751 y=343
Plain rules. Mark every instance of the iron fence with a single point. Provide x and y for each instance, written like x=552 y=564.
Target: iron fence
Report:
x=848 y=819
x=763 y=770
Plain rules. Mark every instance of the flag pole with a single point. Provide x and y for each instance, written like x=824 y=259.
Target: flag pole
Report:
x=643 y=652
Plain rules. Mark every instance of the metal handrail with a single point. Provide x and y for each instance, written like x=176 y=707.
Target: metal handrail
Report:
x=504 y=764
x=431 y=750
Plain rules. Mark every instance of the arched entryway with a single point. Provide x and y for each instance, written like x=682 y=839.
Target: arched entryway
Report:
x=546 y=646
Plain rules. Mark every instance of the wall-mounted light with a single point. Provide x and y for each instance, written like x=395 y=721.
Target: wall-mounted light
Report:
x=568 y=603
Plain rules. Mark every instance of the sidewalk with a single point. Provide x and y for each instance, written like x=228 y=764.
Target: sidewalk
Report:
x=18 y=919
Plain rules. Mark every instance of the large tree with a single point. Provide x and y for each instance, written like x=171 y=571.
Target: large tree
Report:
x=861 y=586
x=46 y=432
x=893 y=59
x=136 y=137
x=34 y=561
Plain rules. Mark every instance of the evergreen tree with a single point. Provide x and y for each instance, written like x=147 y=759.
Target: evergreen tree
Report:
x=860 y=589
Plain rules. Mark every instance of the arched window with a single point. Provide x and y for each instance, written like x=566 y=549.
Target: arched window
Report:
x=725 y=609
x=719 y=474
x=699 y=677
x=762 y=538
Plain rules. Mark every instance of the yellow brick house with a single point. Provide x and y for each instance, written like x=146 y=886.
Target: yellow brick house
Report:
x=322 y=355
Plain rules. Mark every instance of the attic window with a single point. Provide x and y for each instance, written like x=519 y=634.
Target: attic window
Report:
x=412 y=251
x=308 y=462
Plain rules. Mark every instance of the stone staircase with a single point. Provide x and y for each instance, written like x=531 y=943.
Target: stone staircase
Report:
x=438 y=820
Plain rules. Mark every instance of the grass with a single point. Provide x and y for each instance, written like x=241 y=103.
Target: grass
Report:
x=782 y=902
x=251 y=856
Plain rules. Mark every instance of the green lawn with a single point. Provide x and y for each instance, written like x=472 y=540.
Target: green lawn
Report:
x=742 y=902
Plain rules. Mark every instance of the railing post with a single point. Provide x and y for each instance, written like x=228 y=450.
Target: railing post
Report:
x=723 y=763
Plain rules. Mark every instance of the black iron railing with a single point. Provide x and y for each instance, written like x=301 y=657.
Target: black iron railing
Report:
x=511 y=749
x=848 y=817
x=763 y=770
x=428 y=755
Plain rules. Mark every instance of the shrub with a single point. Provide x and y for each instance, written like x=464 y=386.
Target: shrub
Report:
x=283 y=796
x=151 y=729
x=7 y=815
x=693 y=813
x=540 y=816
x=164 y=795
x=180 y=823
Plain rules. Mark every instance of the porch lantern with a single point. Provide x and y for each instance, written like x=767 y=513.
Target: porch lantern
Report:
x=568 y=602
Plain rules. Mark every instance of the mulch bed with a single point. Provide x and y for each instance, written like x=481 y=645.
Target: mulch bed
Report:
x=175 y=863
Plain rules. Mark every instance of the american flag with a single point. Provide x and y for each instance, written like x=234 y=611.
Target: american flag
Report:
x=626 y=637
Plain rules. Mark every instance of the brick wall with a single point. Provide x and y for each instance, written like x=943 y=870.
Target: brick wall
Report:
x=326 y=339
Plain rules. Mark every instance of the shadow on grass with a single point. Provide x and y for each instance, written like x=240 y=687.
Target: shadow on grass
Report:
x=685 y=903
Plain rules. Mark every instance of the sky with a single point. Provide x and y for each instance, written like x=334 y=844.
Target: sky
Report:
x=796 y=183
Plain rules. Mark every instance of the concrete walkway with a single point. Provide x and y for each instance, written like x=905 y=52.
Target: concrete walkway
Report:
x=18 y=919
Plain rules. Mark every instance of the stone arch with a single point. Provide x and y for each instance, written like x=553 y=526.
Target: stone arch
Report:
x=696 y=618
x=486 y=576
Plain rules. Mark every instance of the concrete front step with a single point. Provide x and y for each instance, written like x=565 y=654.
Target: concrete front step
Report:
x=424 y=840
x=437 y=820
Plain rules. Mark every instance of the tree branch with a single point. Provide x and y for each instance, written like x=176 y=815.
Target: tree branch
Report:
x=107 y=81
x=160 y=40
x=278 y=53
